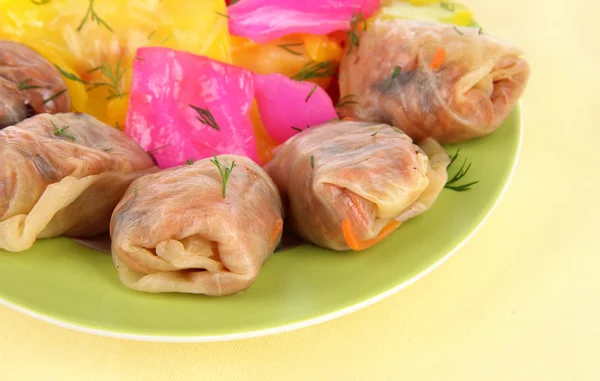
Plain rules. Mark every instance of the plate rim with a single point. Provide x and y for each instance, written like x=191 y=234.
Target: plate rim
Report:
x=296 y=325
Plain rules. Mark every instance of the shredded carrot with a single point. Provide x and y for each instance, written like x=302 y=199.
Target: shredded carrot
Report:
x=357 y=245
x=438 y=59
x=276 y=232
x=348 y=118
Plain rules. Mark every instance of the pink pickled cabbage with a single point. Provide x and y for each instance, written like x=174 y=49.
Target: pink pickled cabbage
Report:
x=298 y=107
x=169 y=87
x=267 y=20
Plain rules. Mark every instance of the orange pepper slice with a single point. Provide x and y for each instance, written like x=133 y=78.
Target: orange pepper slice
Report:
x=357 y=245
x=276 y=232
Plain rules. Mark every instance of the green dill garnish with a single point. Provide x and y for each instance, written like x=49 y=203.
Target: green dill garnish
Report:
x=113 y=79
x=316 y=70
x=352 y=35
x=311 y=93
x=224 y=171
x=296 y=128
x=189 y=162
x=448 y=6
x=139 y=59
x=480 y=31
x=159 y=148
x=374 y=134
x=345 y=100
x=451 y=184
x=94 y=17
x=222 y=14
x=117 y=125
x=151 y=34
x=395 y=73
x=286 y=47
x=136 y=190
x=40 y=2
x=24 y=85
x=53 y=97
x=458 y=31
x=62 y=131
x=107 y=149
x=278 y=247
x=70 y=76
x=206 y=117
x=165 y=39
x=312 y=161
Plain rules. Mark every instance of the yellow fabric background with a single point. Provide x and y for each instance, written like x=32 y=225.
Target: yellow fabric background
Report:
x=521 y=301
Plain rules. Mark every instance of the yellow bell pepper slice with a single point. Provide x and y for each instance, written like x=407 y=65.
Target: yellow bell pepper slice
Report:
x=439 y=11
x=93 y=42
x=287 y=55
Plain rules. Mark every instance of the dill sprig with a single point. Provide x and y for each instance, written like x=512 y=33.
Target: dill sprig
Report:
x=458 y=31
x=480 y=31
x=71 y=76
x=316 y=70
x=346 y=100
x=113 y=79
x=206 y=117
x=24 y=85
x=54 y=96
x=311 y=93
x=222 y=14
x=352 y=34
x=62 y=131
x=395 y=73
x=40 y=2
x=464 y=169
x=448 y=6
x=312 y=161
x=224 y=171
x=94 y=17
x=287 y=47
x=296 y=128
x=159 y=148
x=189 y=162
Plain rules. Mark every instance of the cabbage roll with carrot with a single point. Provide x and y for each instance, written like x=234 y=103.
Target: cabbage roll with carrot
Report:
x=431 y=80
x=203 y=228
x=351 y=184
x=29 y=85
x=63 y=174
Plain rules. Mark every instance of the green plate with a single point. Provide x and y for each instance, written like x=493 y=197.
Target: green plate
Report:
x=62 y=282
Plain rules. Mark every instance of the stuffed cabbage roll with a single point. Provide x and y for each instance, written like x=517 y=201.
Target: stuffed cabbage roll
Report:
x=432 y=80
x=351 y=184
x=63 y=174
x=205 y=228
x=29 y=85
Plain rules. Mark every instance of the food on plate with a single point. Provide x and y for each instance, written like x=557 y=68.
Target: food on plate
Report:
x=63 y=174
x=203 y=228
x=184 y=106
x=267 y=20
x=432 y=80
x=93 y=43
x=448 y=12
x=349 y=184
x=290 y=56
x=29 y=85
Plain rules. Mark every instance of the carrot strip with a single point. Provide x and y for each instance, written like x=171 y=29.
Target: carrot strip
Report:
x=348 y=118
x=438 y=59
x=276 y=232
x=357 y=245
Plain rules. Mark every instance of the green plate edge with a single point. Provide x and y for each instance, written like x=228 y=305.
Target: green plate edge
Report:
x=64 y=283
